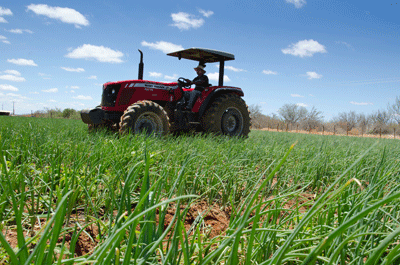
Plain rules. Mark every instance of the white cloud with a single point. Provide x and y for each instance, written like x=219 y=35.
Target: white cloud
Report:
x=269 y=72
x=20 y=31
x=174 y=77
x=23 y=62
x=12 y=78
x=44 y=76
x=296 y=96
x=12 y=72
x=305 y=48
x=361 y=103
x=5 y=12
x=165 y=47
x=78 y=70
x=8 y=87
x=215 y=77
x=206 y=13
x=74 y=87
x=51 y=100
x=99 y=53
x=81 y=97
x=16 y=97
x=302 y=105
x=92 y=77
x=345 y=44
x=35 y=92
x=234 y=69
x=154 y=74
x=51 y=90
x=64 y=14
x=297 y=3
x=313 y=75
x=3 y=38
x=185 y=21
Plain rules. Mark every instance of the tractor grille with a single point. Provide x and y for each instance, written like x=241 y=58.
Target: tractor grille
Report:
x=110 y=94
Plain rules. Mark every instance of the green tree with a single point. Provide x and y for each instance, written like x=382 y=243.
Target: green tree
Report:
x=68 y=113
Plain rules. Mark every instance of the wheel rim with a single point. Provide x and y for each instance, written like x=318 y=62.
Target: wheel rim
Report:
x=148 y=123
x=232 y=121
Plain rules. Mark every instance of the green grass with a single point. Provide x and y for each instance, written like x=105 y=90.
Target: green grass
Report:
x=53 y=170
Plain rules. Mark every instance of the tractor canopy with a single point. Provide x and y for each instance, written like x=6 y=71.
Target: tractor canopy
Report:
x=206 y=56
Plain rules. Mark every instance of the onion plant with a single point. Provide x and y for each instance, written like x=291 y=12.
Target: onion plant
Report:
x=324 y=200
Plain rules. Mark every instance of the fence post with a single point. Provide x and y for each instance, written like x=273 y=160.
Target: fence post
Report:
x=347 y=131
x=309 y=129
x=287 y=127
x=323 y=129
x=277 y=127
x=394 y=133
x=334 y=130
x=297 y=128
x=380 y=132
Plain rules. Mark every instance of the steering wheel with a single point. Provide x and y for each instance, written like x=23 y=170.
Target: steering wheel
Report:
x=183 y=82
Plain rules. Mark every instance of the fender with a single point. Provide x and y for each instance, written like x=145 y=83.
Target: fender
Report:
x=216 y=92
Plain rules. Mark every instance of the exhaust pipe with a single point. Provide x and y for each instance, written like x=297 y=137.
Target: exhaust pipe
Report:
x=141 y=64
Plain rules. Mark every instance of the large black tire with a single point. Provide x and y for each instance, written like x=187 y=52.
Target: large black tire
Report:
x=144 y=117
x=227 y=115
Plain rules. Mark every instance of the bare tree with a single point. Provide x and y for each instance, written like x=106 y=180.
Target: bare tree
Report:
x=313 y=119
x=347 y=120
x=380 y=121
x=394 y=110
x=259 y=120
x=255 y=115
x=292 y=113
x=363 y=122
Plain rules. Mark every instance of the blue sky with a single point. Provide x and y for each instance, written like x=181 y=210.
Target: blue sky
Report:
x=335 y=55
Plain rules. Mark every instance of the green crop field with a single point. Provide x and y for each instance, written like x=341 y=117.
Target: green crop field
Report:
x=70 y=197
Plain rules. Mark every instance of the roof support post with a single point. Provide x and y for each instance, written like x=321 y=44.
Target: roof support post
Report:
x=221 y=73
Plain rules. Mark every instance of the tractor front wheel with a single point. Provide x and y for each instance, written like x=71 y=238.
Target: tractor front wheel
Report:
x=227 y=115
x=144 y=117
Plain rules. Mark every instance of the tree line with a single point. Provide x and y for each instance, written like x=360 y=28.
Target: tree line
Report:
x=292 y=116
x=67 y=113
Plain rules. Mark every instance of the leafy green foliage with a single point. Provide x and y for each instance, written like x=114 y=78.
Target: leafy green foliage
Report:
x=326 y=200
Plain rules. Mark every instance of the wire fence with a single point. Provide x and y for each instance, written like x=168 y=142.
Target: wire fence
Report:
x=386 y=131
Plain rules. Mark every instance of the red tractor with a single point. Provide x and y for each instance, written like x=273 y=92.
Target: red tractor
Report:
x=138 y=106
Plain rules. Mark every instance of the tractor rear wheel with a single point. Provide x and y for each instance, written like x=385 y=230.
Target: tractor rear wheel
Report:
x=144 y=117
x=227 y=115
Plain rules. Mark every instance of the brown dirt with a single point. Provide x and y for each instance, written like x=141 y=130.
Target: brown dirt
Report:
x=215 y=220
x=86 y=242
x=215 y=223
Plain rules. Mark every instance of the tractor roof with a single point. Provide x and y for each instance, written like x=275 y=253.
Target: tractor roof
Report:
x=203 y=55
